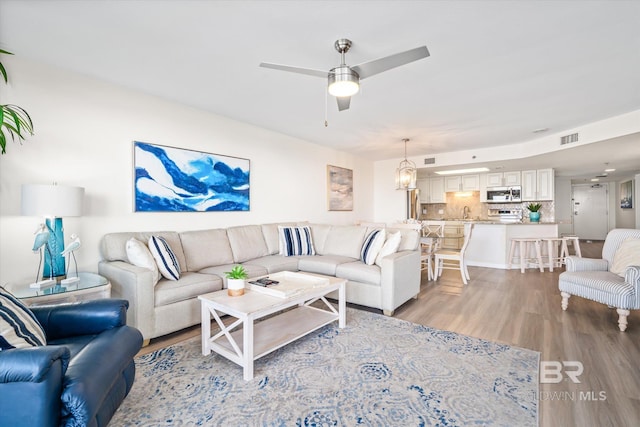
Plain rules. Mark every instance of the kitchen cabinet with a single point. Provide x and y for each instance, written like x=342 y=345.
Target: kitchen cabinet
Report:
x=529 y=185
x=452 y=183
x=423 y=187
x=503 y=179
x=537 y=185
x=470 y=182
x=483 y=188
x=512 y=178
x=436 y=190
x=494 y=179
x=462 y=183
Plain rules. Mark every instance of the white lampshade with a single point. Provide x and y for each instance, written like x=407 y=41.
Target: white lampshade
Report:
x=344 y=88
x=52 y=201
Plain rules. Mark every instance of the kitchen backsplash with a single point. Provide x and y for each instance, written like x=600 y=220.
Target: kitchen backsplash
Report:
x=454 y=208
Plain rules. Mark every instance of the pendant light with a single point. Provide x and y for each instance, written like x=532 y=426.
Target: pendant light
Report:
x=406 y=173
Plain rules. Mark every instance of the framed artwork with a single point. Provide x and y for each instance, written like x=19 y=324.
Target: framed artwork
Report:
x=626 y=194
x=339 y=188
x=169 y=179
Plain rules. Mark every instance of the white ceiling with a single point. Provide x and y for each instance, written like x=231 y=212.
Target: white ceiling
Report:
x=498 y=70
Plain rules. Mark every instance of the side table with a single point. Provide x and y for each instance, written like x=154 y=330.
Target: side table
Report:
x=90 y=286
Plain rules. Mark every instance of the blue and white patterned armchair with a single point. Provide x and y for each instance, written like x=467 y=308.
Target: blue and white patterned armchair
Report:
x=592 y=278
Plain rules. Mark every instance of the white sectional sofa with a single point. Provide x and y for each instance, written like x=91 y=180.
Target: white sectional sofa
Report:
x=159 y=308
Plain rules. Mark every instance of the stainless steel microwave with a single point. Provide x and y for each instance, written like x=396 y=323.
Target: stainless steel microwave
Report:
x=504 y=194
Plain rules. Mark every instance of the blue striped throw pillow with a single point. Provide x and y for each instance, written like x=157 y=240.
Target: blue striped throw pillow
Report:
x=295 y=241
x=371 y=246
x=165 y=258
x=19 y=327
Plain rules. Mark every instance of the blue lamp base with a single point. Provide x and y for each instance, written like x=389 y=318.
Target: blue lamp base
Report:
x=54 y=265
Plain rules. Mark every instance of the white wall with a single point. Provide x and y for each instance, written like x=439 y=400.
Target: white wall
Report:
x=84 y=133
x=563 y=205
x=390 y=205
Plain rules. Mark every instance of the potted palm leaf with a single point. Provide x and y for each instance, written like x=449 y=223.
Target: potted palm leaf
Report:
x=534 y=211
x=14 y=121
x=235 y=280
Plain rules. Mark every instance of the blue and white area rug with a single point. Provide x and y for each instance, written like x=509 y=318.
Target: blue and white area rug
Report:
x=378 y=371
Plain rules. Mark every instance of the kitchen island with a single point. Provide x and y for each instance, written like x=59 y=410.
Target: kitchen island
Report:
x=491 y=241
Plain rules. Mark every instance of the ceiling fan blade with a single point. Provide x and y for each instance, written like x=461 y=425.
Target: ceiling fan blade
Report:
x=377 y=66
x=299 y=70
x=343 y=102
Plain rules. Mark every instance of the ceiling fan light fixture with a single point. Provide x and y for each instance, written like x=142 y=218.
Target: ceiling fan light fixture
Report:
x=343 y=81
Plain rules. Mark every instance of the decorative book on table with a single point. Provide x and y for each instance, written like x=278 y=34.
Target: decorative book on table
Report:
x=285 y=283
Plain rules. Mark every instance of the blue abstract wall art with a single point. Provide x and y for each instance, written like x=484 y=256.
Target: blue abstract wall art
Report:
x=169 y=179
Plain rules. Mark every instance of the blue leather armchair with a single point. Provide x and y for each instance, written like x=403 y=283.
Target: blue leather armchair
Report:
x=80 y=377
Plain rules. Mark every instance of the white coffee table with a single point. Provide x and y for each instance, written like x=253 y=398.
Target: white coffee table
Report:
x=254 y=340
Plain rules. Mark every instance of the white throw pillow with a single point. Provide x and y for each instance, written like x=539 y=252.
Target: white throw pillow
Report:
x=390 y=246
x=165 y=258
x=19 y=327
x=371 y=246
x=628 y=254
x=139 y=255
x=295 y=241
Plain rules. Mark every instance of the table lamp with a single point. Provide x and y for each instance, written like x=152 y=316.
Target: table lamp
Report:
x=52 y=202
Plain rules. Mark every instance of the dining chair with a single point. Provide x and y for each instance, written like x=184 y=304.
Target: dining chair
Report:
x=446 y=259
x=430 y=242
x=427 y=249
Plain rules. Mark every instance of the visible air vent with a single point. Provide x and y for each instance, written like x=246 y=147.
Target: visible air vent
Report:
x=568 y=139
x=430 y=161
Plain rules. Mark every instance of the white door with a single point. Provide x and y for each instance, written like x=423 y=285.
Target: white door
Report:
x=590 y=211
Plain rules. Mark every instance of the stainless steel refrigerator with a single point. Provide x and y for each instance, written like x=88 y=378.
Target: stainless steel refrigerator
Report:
x=413 y=204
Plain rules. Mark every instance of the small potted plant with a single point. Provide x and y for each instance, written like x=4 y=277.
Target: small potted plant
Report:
x=534 y=211
x=235 y=280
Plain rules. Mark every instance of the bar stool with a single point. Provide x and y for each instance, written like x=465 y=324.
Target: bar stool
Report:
x=553 y=243
x=574 y=241
x=523 y=244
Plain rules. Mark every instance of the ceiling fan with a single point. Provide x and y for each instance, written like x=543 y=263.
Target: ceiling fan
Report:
x=343 y=80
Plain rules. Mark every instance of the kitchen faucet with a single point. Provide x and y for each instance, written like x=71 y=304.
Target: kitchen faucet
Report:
x=465 y=212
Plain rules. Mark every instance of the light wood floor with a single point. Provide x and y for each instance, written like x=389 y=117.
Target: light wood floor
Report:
x=524 y=310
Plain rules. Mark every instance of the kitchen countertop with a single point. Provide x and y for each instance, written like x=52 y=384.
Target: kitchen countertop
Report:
x=489 y=221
